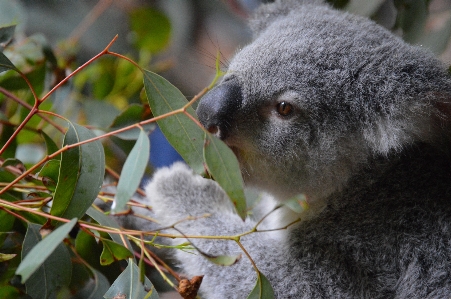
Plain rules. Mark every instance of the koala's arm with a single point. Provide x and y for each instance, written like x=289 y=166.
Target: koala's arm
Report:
x=359 y=247
x=176 y=193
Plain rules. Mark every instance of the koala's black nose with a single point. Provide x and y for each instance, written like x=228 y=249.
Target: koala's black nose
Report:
x=217 y=108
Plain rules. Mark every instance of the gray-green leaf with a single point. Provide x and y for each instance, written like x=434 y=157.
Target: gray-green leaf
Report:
x=6 y=64
x=104 y=220
x=182 y=133
x=6 y=34
x=81 y=174
x=33 y=258
x=262 y=289
x=132 y=172
x=128 y=284
x=223 y=166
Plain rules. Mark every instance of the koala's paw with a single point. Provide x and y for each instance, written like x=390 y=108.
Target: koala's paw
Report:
x=176 y=192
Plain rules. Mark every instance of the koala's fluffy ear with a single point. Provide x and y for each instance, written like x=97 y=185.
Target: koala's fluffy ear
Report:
x=266 y=14
x=427 y=120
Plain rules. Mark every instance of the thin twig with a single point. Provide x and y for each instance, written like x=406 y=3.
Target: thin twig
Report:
x=35 y=108
x=29 y=107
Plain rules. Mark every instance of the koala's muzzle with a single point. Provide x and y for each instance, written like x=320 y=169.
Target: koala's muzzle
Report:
x=217 y=108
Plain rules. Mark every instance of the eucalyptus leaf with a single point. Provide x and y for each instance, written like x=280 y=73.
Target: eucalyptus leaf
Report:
x=51 y=145
x=181 y=132
x=33 y=256
x=99 y=113
x=152 y=29
x=5 y=134
x=49 y=173
x=6 y=34
x=104 y=220
x=113 y=251
x=55 y=273
x=6 y=257
x=133 y=114
x=81 y=174
x=262 y=289
x=224 y=260
x=412 y=17
x=13 y=162
x=128 y=284
x=132 y=172
x=297 y=203
x=223 y=166
x=6 y=224
x=9 y=292
x=6 y=64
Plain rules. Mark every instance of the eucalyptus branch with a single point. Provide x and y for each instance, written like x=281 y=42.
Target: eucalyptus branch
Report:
x=14 y=214
x=169 y=269
x=154 y=263
x=248 y=255
x=35 y=108
x=29 y=107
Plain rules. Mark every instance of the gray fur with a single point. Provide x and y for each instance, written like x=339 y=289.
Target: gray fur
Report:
x=367 y=143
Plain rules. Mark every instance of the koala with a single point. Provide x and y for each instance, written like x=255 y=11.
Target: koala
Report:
x=333 y=106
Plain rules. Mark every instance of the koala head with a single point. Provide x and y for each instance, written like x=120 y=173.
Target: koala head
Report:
x=317 y=94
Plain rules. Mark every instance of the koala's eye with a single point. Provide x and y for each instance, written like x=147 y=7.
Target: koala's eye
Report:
x=284 y=108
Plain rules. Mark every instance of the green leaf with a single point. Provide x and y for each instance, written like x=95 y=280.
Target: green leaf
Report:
x=6 y=257
x=223 y=260
x=87 y=247
x=133 y=114
x=6 y=34
x=132 y=172
x=262 y=289
x=14 y=162
x=338 y=3
x=33 y=256
x=152 y=29
x=128 y=284
x=113 y=251
x=6 y=64
x=223 y=166
x=99 y=113
x=5 y=134
x=9 y=292
x=182 y=133
x=36 y=77
x=49 y=173
x=297 y=203
x=54 y=274
x=81 y=174
x=50 y=56
x=104 y=220
x=51 y=145
x=6 y=224
x=412 y=17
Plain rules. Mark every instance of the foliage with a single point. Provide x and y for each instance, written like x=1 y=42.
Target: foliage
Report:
x=42 y=199
x=63 y=126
